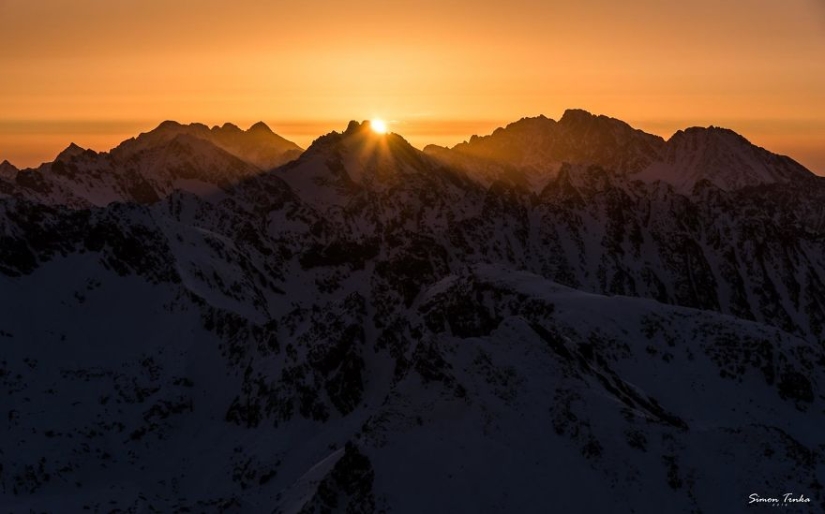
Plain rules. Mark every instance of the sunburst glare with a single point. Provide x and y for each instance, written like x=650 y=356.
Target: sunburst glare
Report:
x=378 y=126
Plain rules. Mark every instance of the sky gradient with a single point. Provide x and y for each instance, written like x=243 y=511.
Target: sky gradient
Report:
x=96 y=72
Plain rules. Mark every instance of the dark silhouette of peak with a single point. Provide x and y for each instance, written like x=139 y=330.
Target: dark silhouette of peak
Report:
x=704 y=142
x=360 y=140
x=260 y=127
x=537 y=146
x=708 y=135
x=168 y=124
x=69 y=153
x=537 y=122
x=258 y=145
x=433 y=149
x=353 y=127
x=525 y=127
x=360 y=137
x=580 y=118
x=332 y=141
x=581 y=123
x=7 y=169
x=340 y=166
x=541 y=143
x=227 y=128
x=576 y=116
x=169 y=129
x=173 y=127
x=722 y=157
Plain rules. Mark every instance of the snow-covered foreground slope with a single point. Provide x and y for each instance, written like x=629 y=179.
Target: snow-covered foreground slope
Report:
x=370 y=329
x=501 y=392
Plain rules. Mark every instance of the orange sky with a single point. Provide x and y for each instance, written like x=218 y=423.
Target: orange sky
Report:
x=96 y=72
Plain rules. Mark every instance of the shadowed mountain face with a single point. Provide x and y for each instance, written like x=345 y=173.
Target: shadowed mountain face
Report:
x=574 y=304
x=7 y=170
x=578 y=138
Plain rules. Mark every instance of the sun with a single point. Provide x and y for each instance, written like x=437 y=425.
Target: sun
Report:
x=378 y=126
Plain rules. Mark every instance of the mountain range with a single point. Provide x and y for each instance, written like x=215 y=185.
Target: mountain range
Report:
x=570 y=316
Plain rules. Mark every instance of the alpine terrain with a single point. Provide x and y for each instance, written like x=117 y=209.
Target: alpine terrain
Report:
x=562 y=316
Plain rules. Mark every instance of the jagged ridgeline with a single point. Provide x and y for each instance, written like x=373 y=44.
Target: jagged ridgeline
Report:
x=569 y=315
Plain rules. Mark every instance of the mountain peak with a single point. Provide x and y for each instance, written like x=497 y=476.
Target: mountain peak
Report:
x=260 y=127
x=579 y=119
x=340 y=166
x=359 y=134
x=353 y=127
x=710 y=133
x=7 y=169
x=537 y=146
x=722 y=157
x=576 y=115
x=71 y=151
x=258 y=145
x=168 y=124
x=227 y=127
x=171 y=126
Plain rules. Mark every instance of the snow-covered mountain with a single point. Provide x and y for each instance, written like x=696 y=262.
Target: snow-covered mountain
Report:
x=723 y=157
x=371 y=328
x=532 y=150
x=258 y=145
x=144 y=169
